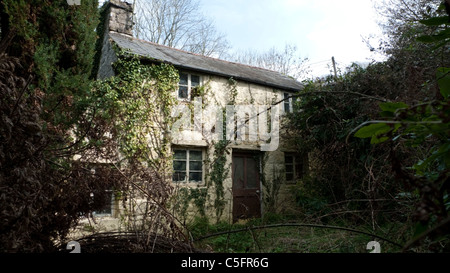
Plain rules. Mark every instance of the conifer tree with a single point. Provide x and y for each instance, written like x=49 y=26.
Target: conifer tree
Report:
x=47 y=49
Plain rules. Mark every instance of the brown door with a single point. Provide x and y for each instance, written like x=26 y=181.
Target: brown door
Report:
x=246 y=186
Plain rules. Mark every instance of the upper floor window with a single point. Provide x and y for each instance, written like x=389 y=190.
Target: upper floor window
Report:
x=288 y=106
x=186 y=84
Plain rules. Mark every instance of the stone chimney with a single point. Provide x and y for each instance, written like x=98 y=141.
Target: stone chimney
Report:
x=121 y=17
x=118 y=17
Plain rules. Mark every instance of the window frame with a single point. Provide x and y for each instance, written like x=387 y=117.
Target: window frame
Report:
x=188 y=161
x=188 y=85
x=297 y=167
x=288 y=100
x=110 y=206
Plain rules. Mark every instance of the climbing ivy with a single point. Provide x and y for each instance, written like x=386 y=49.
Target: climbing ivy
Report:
x=219 y=170
x=139 y=101
x=136 y=105
x=184 y=197
x=232 y=84
x=272 y=185
x=217 y=175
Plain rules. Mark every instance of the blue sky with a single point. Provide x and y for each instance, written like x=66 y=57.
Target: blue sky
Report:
x=319 y=28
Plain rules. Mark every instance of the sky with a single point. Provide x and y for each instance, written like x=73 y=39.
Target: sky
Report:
x=319 y=28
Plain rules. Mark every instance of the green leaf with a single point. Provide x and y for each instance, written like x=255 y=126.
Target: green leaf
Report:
x=446 y=198
x=443 y=76
x=441 y=155
x=372 y=130
x=436 y=21
x=376 y=139
x=393 y=106
x=444 y=35
x=441 y=44
x=387 y=114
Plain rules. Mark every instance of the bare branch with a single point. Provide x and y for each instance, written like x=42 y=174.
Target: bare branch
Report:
x=287 y=61
x=179 y=24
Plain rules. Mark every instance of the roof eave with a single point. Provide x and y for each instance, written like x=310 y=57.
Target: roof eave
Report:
x=215 y=73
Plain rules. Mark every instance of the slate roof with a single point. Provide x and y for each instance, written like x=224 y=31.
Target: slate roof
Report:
x=194 y=62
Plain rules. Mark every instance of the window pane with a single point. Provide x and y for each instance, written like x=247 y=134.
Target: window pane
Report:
x=179 y=154
x=195 y=155
x=107 y=209
x=179 y=165
x=238 y=172
x=183 y=92
x=289 y=168
x=289 y=176
x=183 y=79
x=195 y=165
x=252 y=174
x=195 y=80
x=179 y=176
x=195 y=176
x=288 y=159
x=286 y=107
x=103 y=200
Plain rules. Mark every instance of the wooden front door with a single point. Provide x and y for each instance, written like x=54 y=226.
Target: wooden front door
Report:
x=246 y=186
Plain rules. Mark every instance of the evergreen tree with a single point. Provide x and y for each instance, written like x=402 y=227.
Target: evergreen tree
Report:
x=46 y=111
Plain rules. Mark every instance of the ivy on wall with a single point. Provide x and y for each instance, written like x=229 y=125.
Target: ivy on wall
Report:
x=137 y=103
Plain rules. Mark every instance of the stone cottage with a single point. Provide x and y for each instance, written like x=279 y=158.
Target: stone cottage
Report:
x=260 y=167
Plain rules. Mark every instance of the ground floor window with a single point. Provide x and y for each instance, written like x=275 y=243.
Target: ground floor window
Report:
x=187 y=165
x=105 y=200
x=102 y=199
x=294 y=167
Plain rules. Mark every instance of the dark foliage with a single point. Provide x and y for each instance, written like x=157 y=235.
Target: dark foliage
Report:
x=394 y=181
x=45 y=63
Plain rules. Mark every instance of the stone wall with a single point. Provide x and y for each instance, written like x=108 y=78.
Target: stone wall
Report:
x=218 y=90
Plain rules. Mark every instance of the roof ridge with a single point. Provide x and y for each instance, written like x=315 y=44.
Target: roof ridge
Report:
x=203 y=56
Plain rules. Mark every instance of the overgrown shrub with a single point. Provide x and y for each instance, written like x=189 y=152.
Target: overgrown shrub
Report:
x=47 y=118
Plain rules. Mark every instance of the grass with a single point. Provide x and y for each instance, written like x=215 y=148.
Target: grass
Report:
x=284 y=239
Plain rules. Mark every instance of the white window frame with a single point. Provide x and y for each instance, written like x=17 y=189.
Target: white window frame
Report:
x=188 y=151
x=289 y=101
x=189 y=85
